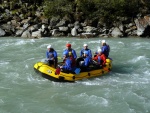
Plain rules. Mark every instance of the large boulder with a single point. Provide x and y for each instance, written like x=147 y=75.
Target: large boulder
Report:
x=8 y=28
x=116 y=32
x=65 y=29
x=143 y=26
x=2 y=32
x=57 y=33
x=74 y=32
x=26 y=34
x=37 y=34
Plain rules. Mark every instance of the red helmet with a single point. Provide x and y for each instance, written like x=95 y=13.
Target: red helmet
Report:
x=68 y=45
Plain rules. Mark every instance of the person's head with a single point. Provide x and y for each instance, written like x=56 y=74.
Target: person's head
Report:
x=85 y=46
x=68 y=46
x=99 y=51
x=103 y=42
x=65 y=54
x=85 y=53
x=49 y=47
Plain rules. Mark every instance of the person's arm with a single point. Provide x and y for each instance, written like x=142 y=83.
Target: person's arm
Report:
x=74 y=54
x=63 y=55
x=103 y=49
x=104 y=59
x=47 y=56
x=67 y=65
x=90 y=53
x=95 y=58
x=55 y=54
x=81 y=53
x=86 y=62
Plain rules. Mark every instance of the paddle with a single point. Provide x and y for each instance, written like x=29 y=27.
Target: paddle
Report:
x=76 y=70
x=57 y=72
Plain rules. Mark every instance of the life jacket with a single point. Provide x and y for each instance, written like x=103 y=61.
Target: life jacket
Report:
x=50 y=55
x=70 y=54
x=87 y=50
x=87 y=61
x=68 y=64
x=105 y=50
x=99 y=60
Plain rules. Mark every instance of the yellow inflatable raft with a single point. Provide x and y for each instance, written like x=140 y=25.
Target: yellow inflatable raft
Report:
x=50 y=72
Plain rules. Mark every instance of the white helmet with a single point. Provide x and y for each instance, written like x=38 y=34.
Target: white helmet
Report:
x=99 y=50
x=85 y=45
x=49 y=46
x=103 y=41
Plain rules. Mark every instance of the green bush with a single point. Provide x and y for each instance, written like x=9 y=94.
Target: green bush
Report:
x=60 y=8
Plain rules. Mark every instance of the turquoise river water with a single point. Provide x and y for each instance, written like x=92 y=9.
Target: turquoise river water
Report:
x=126 y=89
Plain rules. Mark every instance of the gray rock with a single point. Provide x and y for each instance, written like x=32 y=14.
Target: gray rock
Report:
x=116 y=32
x=56 y=32
x=26 y=34
x=37 y=34
x=61 y=23
x=74 y=32
x=19 y=32
x=65 y=29
x=2 y=32
x=54 y=21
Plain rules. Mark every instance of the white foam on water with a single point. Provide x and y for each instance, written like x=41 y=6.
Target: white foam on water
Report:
x=93 y=42
x=36 y=79
x=137 y=58
x=147 y=72
x=136 y=44
x=31 y=79
x=12 y=75
x=32 y=40
x=89 y=82
x=92 y=100
x=121 y=43
x=4 y=88
x=1 y=101
x=30 y=59
x=98 y=101
x=4 y=63
x=26 y=66
x=44 y=60
x=44 y=46
x=23 y=42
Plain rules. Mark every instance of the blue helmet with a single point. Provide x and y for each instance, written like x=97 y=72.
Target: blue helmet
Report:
x=65 y=53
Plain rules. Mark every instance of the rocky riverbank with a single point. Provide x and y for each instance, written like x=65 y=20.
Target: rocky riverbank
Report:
x=24 y=20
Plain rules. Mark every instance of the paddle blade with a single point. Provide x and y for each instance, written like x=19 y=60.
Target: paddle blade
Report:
x=57 y=72
x=77 y=70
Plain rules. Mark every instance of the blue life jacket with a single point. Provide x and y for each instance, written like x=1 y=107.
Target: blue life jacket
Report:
x=87 y=61
x=88 y=50
x=51 y=54
x=68 y=64
x=73 y=52
x=105 y=50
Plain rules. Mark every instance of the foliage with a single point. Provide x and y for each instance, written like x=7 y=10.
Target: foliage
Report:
x=60 y=8
x=106 y=10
